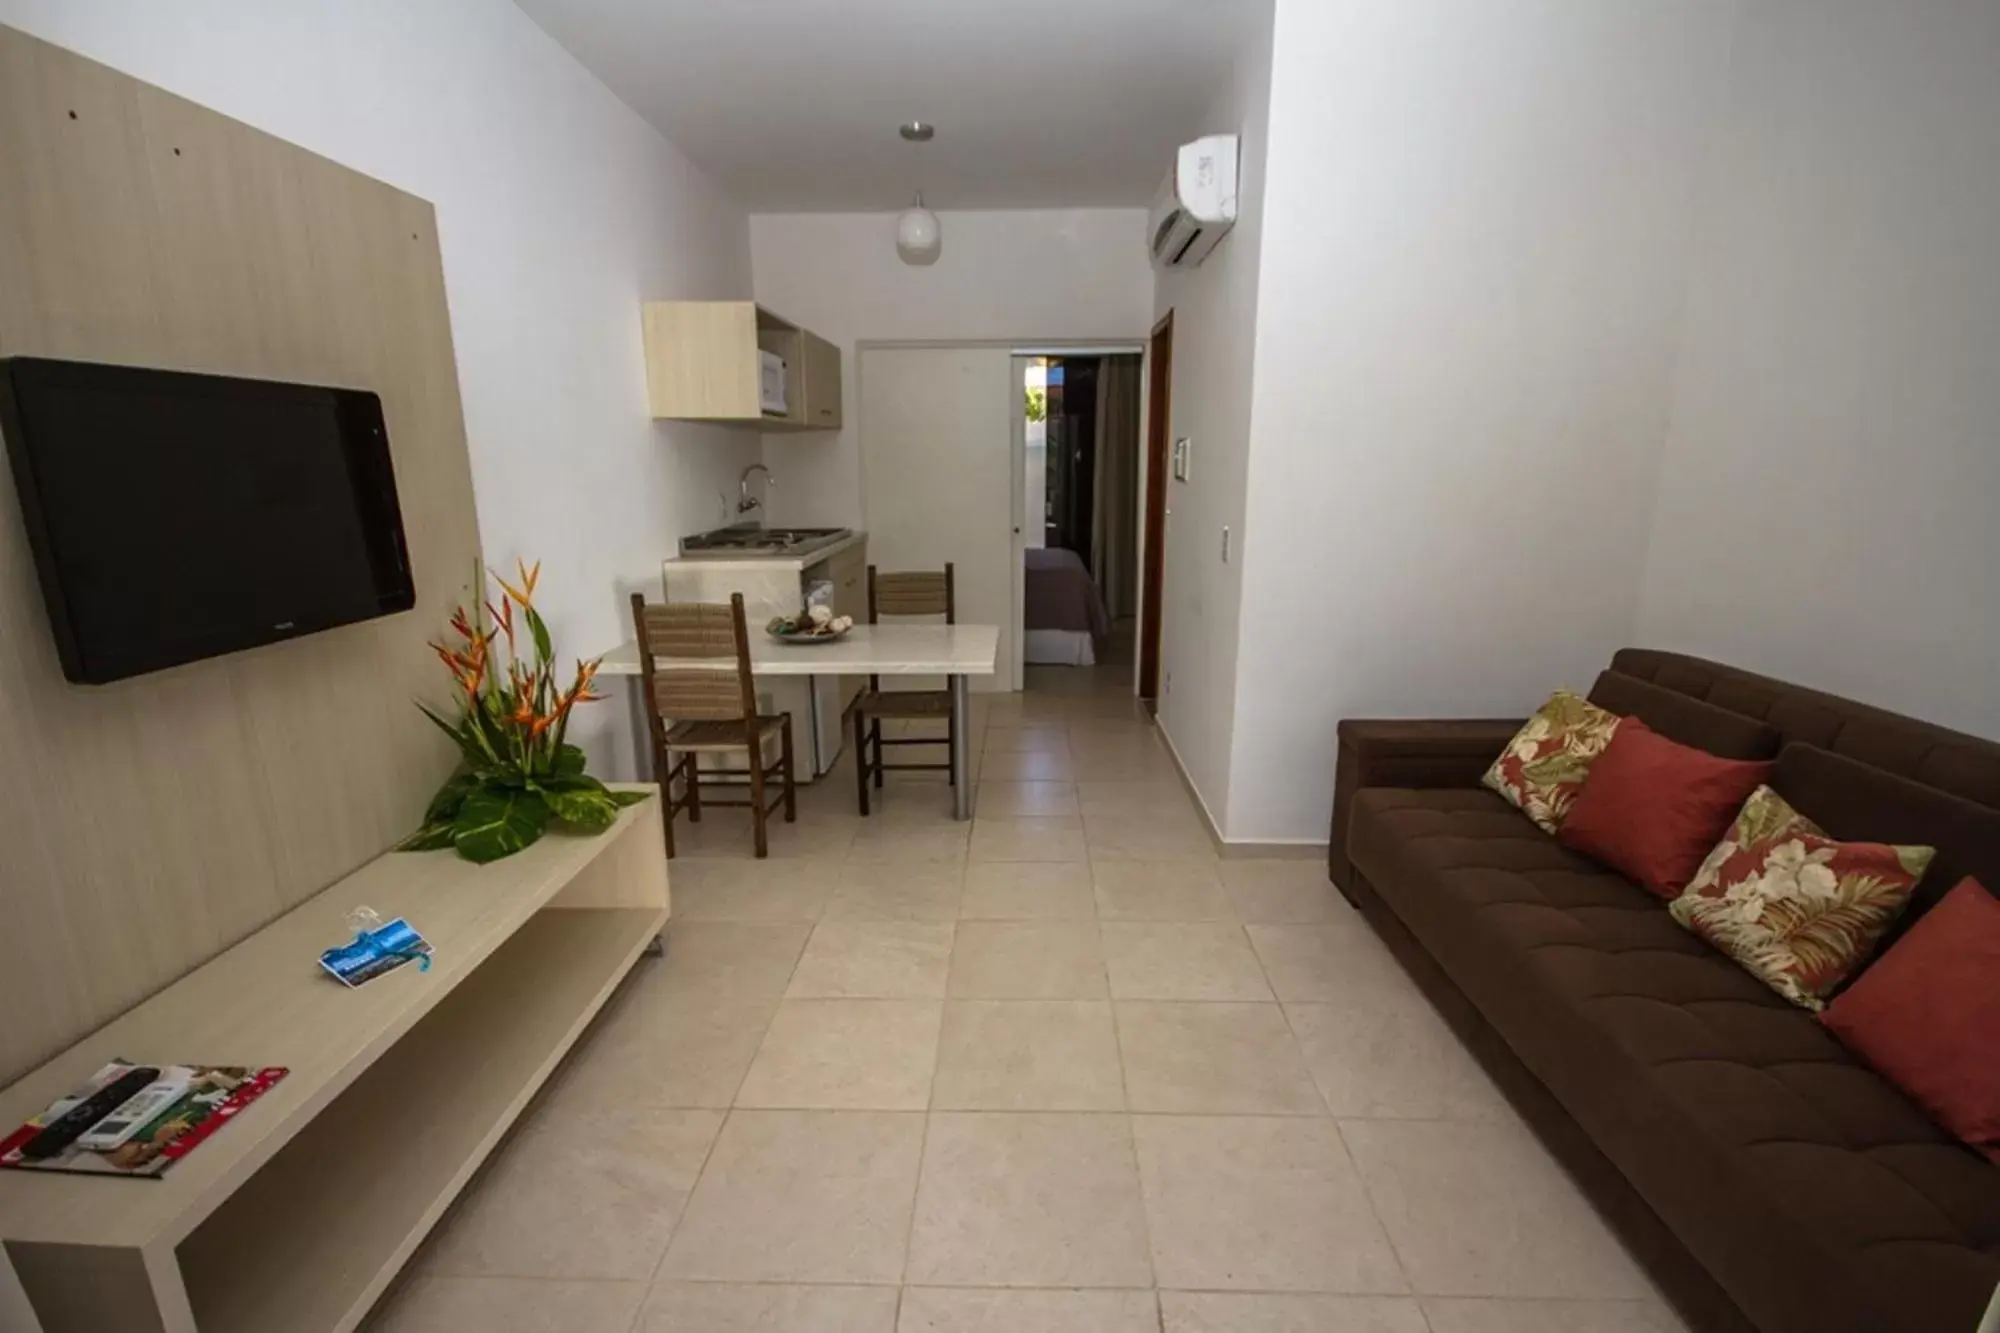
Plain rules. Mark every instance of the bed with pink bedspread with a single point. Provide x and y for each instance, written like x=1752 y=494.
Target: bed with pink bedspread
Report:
x=1064 y=616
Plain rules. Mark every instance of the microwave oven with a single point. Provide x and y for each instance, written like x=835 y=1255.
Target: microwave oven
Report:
x=771 y=383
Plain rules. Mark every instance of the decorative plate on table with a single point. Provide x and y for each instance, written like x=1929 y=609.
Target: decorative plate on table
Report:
x=807 y=627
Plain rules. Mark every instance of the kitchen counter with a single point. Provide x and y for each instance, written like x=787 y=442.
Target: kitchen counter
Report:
x=797 y=564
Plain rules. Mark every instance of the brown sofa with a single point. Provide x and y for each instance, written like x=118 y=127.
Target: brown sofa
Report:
x=1766 y=1177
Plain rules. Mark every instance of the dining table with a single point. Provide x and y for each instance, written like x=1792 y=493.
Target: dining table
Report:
x=956 y=652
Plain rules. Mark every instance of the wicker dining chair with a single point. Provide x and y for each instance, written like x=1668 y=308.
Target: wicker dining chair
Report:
x=712 y=710
x=905 y=593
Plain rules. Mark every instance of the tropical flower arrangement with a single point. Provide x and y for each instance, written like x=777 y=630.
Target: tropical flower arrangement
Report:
x=519 y=775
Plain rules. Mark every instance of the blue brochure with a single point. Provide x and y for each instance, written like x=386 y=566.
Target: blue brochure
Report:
x=376 y=951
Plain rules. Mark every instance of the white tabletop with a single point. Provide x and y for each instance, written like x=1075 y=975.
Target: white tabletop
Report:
x=867 y=650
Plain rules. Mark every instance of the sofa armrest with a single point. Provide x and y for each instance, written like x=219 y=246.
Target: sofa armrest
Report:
x=1392 y=753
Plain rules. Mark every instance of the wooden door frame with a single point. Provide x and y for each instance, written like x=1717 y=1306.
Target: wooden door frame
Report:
x=1159 y=466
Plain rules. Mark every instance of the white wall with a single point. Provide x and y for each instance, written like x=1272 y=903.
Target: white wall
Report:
x=1215 y=329
x=1476 y=221
x=558 y=211
x=1024 y=274
x=1827 y=506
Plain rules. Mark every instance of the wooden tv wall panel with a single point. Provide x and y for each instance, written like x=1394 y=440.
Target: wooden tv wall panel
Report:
x=149 y=824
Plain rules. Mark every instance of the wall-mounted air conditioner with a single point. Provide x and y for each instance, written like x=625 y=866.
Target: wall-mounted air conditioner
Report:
x=1196 y=204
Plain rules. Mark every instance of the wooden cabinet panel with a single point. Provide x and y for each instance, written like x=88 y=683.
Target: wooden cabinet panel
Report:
x=702 y=364
x=701 y=359
x=821 y=366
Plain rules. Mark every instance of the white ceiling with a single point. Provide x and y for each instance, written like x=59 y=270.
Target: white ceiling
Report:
x=793 y=104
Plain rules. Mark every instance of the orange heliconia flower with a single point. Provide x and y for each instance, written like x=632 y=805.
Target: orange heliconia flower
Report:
x=524 y=698
x=525 y=594
x=504 y=617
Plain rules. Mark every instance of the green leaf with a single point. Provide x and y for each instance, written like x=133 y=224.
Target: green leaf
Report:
x=581 y=782
x=492 y=824
x=625 y=798
x=544 y=649
x=569 y=761
x=471 y=738
x=433 y=836
x=585 y=809
x=444 y=806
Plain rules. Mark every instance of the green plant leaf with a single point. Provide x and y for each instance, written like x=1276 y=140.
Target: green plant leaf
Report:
x=579 y=782
x=591 y=810
x=444 y=806
x=492 y=824
x=569 y=761
x=544 y=649
x=433 y=836
x=625 y=798
x=474 y=745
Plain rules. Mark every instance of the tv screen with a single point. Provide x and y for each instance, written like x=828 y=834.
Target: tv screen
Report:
x=175 y=517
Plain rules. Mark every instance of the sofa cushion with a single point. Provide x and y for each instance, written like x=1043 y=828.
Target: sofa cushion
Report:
x=1544 y=766
x=1799 y=910
x=1817 y=1194
x=1928 y=1016
x=1858 y=803
x=1685 y=719
x=1653 y=809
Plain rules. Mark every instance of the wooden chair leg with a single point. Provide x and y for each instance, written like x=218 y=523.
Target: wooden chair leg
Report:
x=757 y=811
x=663 y=773
x=879 y=770
x=791 y=781
x=691 y=773
x=861 y=759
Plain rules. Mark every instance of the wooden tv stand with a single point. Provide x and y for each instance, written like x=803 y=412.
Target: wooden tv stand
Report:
x=297 y=1214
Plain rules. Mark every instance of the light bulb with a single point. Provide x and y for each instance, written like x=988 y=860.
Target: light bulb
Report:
x=919 y=239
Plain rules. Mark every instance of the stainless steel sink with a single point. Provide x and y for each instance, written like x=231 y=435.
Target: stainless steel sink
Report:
x=749 y=540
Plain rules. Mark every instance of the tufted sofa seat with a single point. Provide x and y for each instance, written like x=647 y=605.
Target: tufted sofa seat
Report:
x=1811 y=1192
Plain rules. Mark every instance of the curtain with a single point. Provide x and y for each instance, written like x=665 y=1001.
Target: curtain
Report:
x=1114 y=561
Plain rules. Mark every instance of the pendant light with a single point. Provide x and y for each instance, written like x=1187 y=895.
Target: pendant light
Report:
x=919 y=238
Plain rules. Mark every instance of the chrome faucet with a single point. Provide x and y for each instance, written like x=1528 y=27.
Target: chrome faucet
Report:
x=745 y=503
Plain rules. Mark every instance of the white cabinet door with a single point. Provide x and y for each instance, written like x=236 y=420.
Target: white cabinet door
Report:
x=937 y=466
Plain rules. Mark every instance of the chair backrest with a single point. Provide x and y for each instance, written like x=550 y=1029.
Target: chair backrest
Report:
x=910 y=592
x=671 y=632
x=921 y=592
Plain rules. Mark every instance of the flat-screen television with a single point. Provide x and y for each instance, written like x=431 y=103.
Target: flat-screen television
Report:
x=175 y=517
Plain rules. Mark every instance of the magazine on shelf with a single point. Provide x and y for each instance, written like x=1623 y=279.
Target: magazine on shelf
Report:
x=214 y=1094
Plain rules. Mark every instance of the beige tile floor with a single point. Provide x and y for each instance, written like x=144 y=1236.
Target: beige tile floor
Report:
x=1060 y=1071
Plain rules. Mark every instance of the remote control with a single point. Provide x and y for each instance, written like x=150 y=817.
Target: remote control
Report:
x=115 y=1129
x=58 y=1136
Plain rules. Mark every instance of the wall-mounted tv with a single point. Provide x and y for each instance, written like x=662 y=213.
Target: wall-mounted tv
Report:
x=175 y=517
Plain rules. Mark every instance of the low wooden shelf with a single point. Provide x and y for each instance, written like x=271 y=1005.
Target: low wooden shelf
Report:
x=297 y=1214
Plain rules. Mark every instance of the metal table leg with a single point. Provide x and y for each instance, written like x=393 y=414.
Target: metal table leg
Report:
x=961 y=791
x=642 y=730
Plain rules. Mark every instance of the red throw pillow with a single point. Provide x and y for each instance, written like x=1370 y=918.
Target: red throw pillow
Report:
x=1927 y=1015
x=1653 y=808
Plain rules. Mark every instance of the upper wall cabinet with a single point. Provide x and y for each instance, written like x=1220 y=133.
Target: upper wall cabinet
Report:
x=704 y=363
x=820 y=361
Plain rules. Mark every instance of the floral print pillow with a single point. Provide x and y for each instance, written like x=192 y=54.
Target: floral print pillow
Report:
x=1543 y=767
x=1796 y=909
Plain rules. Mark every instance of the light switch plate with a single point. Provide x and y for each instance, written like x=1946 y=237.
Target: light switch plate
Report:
x=1183 y=447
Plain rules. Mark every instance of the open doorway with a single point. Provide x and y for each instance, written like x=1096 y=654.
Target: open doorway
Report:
x=1081 y=503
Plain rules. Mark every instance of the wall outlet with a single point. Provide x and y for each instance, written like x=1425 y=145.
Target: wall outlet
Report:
x=1225 y=543
x=1166 y=682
